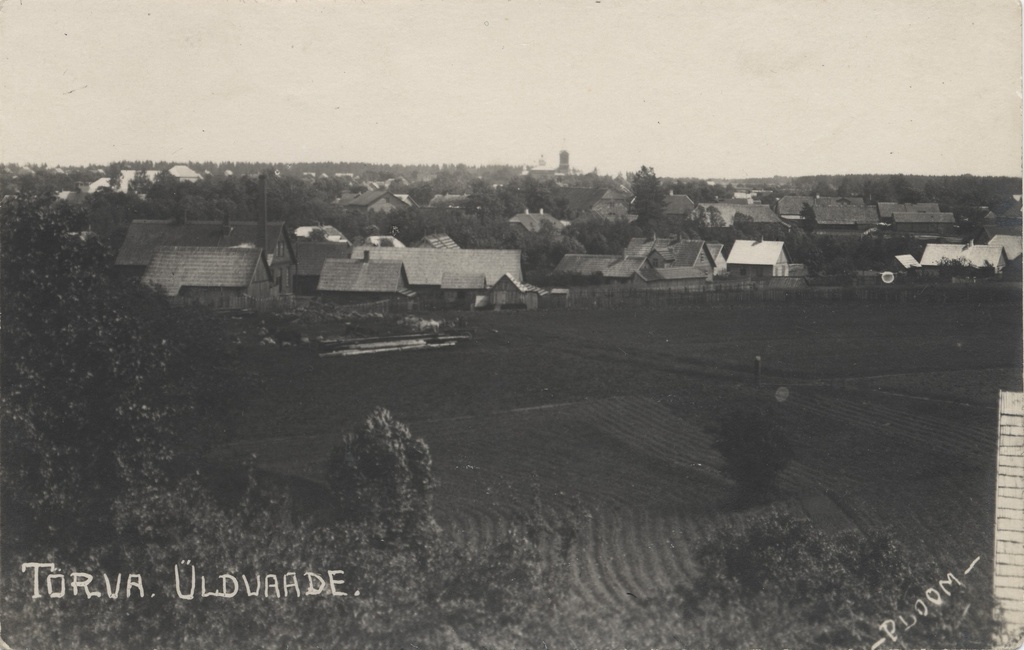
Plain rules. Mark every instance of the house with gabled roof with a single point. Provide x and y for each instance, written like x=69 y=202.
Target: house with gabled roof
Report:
x=1011 y=245
x=535 y=221
x=677 y=205
x=844 y=219
x=758 y=259
x=363 y=280
x=145 y=235
x=582 y=264
x=792 y=208
x=671 y=277
x=658 y=250
x=212 y=276
x=887 y=209
x=377 y=202
x=426 y=268
x=185 y=173
x=586 y=202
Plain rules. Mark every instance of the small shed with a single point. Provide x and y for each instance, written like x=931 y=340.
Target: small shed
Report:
x=511 y=293
x=363 y=280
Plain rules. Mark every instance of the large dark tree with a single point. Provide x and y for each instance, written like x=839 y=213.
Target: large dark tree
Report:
x=649 y=197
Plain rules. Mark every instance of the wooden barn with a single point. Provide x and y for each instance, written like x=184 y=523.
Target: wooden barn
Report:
x=223 y=278
x=510 y=293
x=462 y=289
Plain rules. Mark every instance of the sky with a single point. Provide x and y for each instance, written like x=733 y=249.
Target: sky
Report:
x=706 y=89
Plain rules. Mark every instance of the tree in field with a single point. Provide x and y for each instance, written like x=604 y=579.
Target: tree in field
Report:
x=649 y=197
x=382 y=479
x=751 y=441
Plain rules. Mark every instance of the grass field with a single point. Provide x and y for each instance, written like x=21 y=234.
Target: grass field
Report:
x=890 y=409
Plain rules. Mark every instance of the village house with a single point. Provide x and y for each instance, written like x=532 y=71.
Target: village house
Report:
x=792 y=208
x=184 y=173
x=311 y=257
x=144 y=236
x=671 y=252
x=923 y=223
x=376 y=202
x=839 y=219
x=758 y=259
x=677 y=205
x=588 y=202
x=353 y=281
x=426 y=269
x=609 y=268
x=715 y=250
x=535 y=221
x=215 y=277
x=672 y=277
x=886 y=210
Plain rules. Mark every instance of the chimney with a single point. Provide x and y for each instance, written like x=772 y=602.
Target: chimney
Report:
x=261 y=215
x=366 y=255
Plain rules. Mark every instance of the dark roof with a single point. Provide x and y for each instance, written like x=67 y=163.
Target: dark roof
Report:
x=639 y=246
x=144 y=236
x=863 y=215
x=426 y=266
x=793 y=204
x=678 y=204
x=174 y=267
x=312 y=254
x=368 y=198
x=358 y=276
x=886 y=210
x=438 y=241
x=581 y=264
x=624 y=267
x=583 y=199
x=686 y=252
x=674 y=273
x=923 y=217
x=533 y=221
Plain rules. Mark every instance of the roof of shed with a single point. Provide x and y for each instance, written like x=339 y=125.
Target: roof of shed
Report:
x=174 y=267
x=438 y=240
x=361 y=277
x=923 y=217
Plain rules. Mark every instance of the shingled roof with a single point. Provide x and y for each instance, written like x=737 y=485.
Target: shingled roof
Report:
x=174 y=267
x=358 y=276
x=845 y=215
x=144 y=236
x=686 y=252
x=312 y=254
x=886 y=210
x=582 y=264
x=678 y=204
x=641 y=247
x=794 y=204
x=624 y=267
x=923 y=217
x=427 y=266
x=583 y=199
x=455 y=280
x=524 y=287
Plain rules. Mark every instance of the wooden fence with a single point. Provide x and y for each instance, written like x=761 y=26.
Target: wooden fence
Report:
x=630 y=297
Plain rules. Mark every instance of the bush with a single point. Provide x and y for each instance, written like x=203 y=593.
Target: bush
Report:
x=755 y=450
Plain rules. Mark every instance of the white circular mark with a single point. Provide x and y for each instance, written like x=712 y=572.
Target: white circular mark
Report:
x=781 y=394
